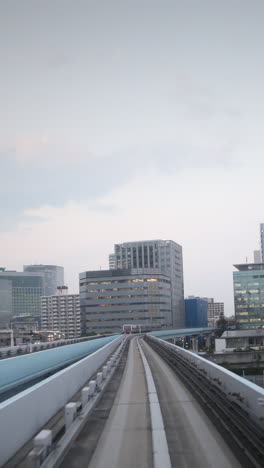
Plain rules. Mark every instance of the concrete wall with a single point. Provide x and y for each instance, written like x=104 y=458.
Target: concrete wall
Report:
x=252 y=357
x=22 y=416
x=246 y=394
x=220 y=345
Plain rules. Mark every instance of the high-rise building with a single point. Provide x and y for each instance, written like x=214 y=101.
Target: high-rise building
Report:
x=196 y=312
x=257 y=256
x=53 y=276
x=19 y=294
x=262 y=240
x=61 y=312
x=249 y=295
x=215 y=310
x=112 y=261
x=113 y=298
x=163 y=254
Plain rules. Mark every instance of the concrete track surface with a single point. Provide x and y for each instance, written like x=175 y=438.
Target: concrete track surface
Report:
x=126 y=439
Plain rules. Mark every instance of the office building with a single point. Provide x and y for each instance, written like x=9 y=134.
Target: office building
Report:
x=163 y=254
x=5 y=301
x=53 y=276
x=113 y=298
x=61 y=312
x=249 y=295
x=196 y=312
x=19 y=294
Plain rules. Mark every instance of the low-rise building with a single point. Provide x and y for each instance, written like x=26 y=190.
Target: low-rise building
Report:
x=232 y=340
x=61 y=312
x=24 y=326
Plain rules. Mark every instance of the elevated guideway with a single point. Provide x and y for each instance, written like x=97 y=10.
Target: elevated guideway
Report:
x=178 y=332
x=17 y=373
x=162 y=407
x=27 y=412
x=142 y=412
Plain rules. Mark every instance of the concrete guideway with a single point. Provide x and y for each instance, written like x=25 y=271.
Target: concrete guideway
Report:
x=134 y=437
x=160 y=449
x=145 y=418
x=192 y=438
x=126 y=438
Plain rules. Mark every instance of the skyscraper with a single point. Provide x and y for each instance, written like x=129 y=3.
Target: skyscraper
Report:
x=262 y=240
x=53 y=276
x=257 y=256
x=163 y=254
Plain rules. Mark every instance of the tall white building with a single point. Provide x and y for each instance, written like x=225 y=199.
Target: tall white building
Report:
x=61 y=312
x=163 y=254
x=215 y=309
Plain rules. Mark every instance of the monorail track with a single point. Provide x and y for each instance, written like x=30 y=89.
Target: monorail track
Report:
x=244 y=437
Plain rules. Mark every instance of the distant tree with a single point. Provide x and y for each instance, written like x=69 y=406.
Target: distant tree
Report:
x=222 y=325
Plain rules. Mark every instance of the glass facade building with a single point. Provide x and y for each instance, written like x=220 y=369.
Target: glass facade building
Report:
x=53 y=276
x=110 y=299
x=20 y=293
x=163 y=254
x=249 y=295
x=196 y=312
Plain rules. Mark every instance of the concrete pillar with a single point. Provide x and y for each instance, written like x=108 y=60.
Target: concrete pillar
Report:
x=208 y=341
x=195 y=344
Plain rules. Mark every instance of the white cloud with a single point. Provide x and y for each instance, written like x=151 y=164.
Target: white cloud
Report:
x=209 y=212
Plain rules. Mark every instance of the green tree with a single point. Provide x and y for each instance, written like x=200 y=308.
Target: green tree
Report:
x=221 y=325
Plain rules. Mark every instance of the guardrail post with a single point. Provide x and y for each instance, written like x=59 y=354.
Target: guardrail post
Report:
x=104 y=372
x=109 y=365
x=85 y=396
x=70 y=414
x=35 y=458
x=99 y=379
x=43 y=440
x=92 y=385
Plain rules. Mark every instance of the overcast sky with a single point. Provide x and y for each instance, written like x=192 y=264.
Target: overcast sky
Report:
x=128 y=120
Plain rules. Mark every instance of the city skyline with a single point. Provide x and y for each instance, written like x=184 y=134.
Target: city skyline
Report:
x=128 y=121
